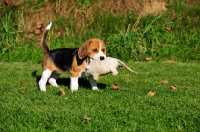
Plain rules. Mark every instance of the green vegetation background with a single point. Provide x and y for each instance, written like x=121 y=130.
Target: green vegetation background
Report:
x=171 y=35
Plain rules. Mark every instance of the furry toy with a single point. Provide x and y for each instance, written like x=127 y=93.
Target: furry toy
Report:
x=109 y=64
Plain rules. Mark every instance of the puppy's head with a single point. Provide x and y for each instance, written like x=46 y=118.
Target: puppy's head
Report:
x=94 y=49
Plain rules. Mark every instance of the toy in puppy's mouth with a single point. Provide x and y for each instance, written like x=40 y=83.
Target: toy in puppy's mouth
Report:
x=107 y=65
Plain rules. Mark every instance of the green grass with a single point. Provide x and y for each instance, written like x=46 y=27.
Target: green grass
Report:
x=129 y=37
x=24 y=108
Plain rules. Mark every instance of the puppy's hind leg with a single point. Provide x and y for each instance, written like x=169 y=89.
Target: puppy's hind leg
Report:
x=52 y=79
x=93 y=83
x=45 y=76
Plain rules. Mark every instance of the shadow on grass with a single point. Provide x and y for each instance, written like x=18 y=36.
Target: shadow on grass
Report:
x=83 y=82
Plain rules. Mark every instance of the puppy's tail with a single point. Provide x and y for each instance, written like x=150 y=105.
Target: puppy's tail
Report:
x=126 y=66
x=43 y=40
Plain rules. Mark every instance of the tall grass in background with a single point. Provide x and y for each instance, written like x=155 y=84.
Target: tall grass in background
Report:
x=12 y=45
x=161 y=37
x=7 y=31
x=171 y=35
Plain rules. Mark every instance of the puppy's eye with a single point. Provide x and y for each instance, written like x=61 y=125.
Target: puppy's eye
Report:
x=103 y=50
x=95 y=50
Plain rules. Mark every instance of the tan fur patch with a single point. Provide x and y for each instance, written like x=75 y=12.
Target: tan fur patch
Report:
x=47 y=63
x=76 y=68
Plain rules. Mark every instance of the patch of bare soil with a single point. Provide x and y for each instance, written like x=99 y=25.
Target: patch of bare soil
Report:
x=50 y=11
x=143 y=7
x=153 y=7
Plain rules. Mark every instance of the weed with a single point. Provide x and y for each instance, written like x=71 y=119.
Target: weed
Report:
x=8 y=33
x=84 y=3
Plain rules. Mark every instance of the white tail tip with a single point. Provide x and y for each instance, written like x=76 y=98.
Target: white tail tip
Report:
x=49 y=26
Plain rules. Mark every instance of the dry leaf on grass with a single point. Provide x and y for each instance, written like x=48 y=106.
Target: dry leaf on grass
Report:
x=150 y=93
x=86 y=117
x=58 y=33
x=165 y=81
x=36 y=31
x=38 y=28
x=127 y=75
x=8 y=2
x=174 y=87
x=149 y=59
x=168 y=28
x=62 y=91
x=39 y=25
x=115 y=87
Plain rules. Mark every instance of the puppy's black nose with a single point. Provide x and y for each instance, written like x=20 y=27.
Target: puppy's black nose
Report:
x=102 y=57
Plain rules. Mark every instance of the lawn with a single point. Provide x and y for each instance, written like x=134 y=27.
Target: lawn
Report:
x=144 y=102
x=24 y=108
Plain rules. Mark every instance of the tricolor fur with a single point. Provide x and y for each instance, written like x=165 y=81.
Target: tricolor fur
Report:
x=69 y=60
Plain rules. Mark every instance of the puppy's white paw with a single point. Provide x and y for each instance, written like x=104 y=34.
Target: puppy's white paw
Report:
x=52 y=81
x=73 y=89
x=44 y=90
x=54 y=84
x=42 y=86
x=95 y=88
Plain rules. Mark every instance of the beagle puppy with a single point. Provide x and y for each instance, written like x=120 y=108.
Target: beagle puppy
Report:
x=69 y=60
x=96 y=68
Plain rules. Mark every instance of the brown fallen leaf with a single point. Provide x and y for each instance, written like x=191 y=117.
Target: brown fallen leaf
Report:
x=86 y=117
x=62 y=91
x=39 y=25
x=150 y=93
x=168 y=28
x=165 y=81
x=8 y=2
x=36 y=31
x=115 y=87
x=127 y=75
x=149 y=59
x=174 y=87
x=58 y=33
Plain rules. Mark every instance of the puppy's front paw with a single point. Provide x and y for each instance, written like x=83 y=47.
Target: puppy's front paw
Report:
x=42 y=86
x=42 y=89
x=95 y=88
x=73 y=89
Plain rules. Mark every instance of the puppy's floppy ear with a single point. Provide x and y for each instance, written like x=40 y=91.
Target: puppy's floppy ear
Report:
x=83 y=50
